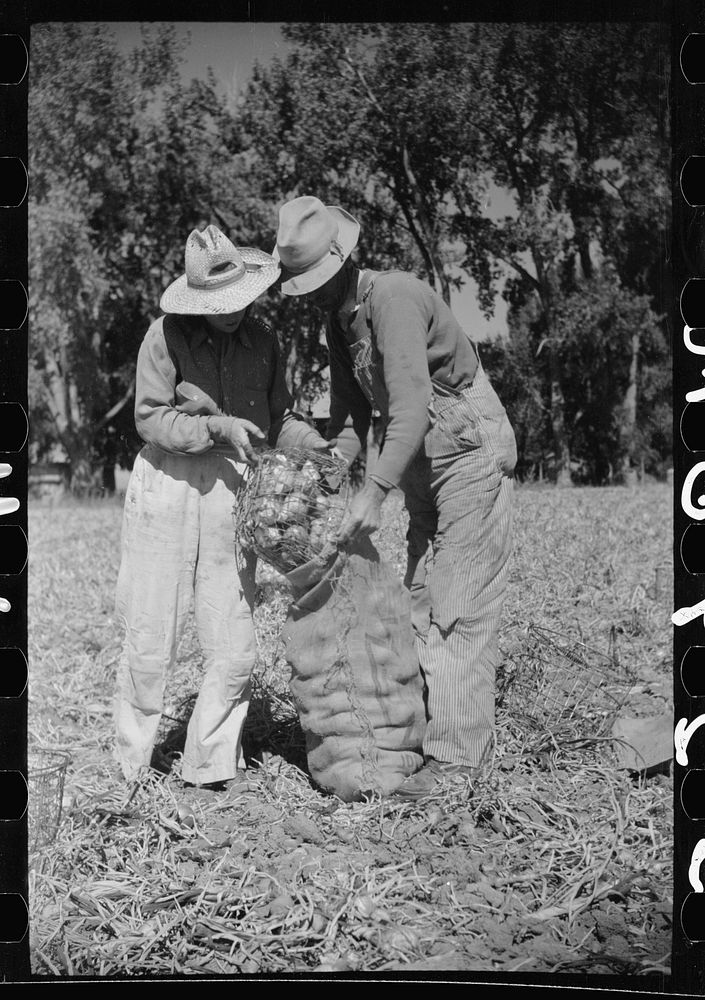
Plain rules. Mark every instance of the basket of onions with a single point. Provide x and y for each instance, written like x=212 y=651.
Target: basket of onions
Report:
x=291 y=505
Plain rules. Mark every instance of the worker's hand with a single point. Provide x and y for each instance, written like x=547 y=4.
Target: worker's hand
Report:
x=364 y=514
x=331 y=447
x=236 y=432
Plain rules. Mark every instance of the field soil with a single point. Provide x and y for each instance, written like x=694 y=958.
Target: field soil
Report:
x=558 y=864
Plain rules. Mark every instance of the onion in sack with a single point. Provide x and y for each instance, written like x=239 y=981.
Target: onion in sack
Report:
x=281 y=478
x=267 y=511
x=320 y=505
x=248 y=527
x=294 y=507
x=309 y=472
x=319 y=534
x=267 y=538
x=297 y=535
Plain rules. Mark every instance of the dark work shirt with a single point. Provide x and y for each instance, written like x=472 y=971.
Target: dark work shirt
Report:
x=417 y=338
x=242 y=372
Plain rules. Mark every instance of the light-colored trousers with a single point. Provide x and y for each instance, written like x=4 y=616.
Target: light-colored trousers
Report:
x=458 y=494
x=178 y=547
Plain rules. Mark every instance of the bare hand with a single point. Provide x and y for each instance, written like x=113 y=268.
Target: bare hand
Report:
x=363 y=517
x=235 y=431
x=240 y=441
x=331 y=447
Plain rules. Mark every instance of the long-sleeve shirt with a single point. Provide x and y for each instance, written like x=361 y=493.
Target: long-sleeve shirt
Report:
x=415 y=338
x=242 y=372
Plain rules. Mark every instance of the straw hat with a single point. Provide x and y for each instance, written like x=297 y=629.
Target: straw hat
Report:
x=313 y=242
x=220 y=277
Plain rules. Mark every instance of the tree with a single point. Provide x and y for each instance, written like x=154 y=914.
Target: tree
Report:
x=408 y=126
x=421 y=119
x=364 y=115
x=125 y=160
x=553 y=136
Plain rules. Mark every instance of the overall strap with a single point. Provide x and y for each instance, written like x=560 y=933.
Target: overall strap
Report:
x=365 y=301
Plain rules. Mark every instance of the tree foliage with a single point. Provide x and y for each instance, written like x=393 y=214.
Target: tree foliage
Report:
x=121 y=162
x=410 y=127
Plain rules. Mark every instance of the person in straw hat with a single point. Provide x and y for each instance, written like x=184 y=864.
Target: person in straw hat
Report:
x=209 y=386
x=396 y=347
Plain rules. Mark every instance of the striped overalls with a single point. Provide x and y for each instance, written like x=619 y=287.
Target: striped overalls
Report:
x=458 y=491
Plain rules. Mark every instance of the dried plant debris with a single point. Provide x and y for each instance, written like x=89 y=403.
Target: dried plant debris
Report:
x=559 y=862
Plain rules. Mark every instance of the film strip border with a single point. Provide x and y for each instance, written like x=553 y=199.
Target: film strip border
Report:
x=688 y=320
x=14 y=432
x=688 y=110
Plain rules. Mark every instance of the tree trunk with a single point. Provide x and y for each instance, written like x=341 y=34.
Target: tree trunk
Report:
x=585 y=259
x=109 y=485
x=75 y=436
x=85 y=480
x=430 y=239
x=561 y=448
x=627 y=428
x=426 y=240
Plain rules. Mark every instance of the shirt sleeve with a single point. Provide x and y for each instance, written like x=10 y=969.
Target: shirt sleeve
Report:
x=400 y=325
x=156 y=418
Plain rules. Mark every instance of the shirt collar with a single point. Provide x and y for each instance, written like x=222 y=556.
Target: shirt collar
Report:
x=200 y=335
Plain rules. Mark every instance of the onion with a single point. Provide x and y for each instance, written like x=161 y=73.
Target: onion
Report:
x=267 y=512
x=294 y=507
x=296 y=533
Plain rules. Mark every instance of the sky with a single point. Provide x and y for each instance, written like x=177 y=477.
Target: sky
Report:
x=230 y=49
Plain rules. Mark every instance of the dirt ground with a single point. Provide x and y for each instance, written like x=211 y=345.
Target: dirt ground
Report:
x=558 y=865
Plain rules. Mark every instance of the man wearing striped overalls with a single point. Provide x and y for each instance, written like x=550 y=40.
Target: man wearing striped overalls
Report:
x=395 y=347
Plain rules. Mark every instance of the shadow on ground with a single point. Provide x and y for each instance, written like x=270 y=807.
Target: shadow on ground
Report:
x=264 y=736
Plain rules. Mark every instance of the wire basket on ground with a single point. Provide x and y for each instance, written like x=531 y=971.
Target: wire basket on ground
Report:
x=560 y=686
x=291 y=506
x=46 y=773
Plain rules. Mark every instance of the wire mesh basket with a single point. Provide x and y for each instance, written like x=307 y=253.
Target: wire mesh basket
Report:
x=46 y=773
x=559 y=685
x=291 y=506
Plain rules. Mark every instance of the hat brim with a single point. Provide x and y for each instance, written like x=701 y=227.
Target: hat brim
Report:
x=304 y=282
x=186 y=300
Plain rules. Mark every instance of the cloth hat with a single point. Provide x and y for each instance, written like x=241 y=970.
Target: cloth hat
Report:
x=220 y=277
x=313 y=242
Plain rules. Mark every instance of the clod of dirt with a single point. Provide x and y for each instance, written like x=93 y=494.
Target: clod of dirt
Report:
x=262 y=812
x=398 y=938
x=280 y=905
x=365 y=905
x=300 y=828
x=335 y=963
x=319 y=922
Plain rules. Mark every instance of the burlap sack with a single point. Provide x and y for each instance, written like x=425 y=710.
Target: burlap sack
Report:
x=355 y=675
